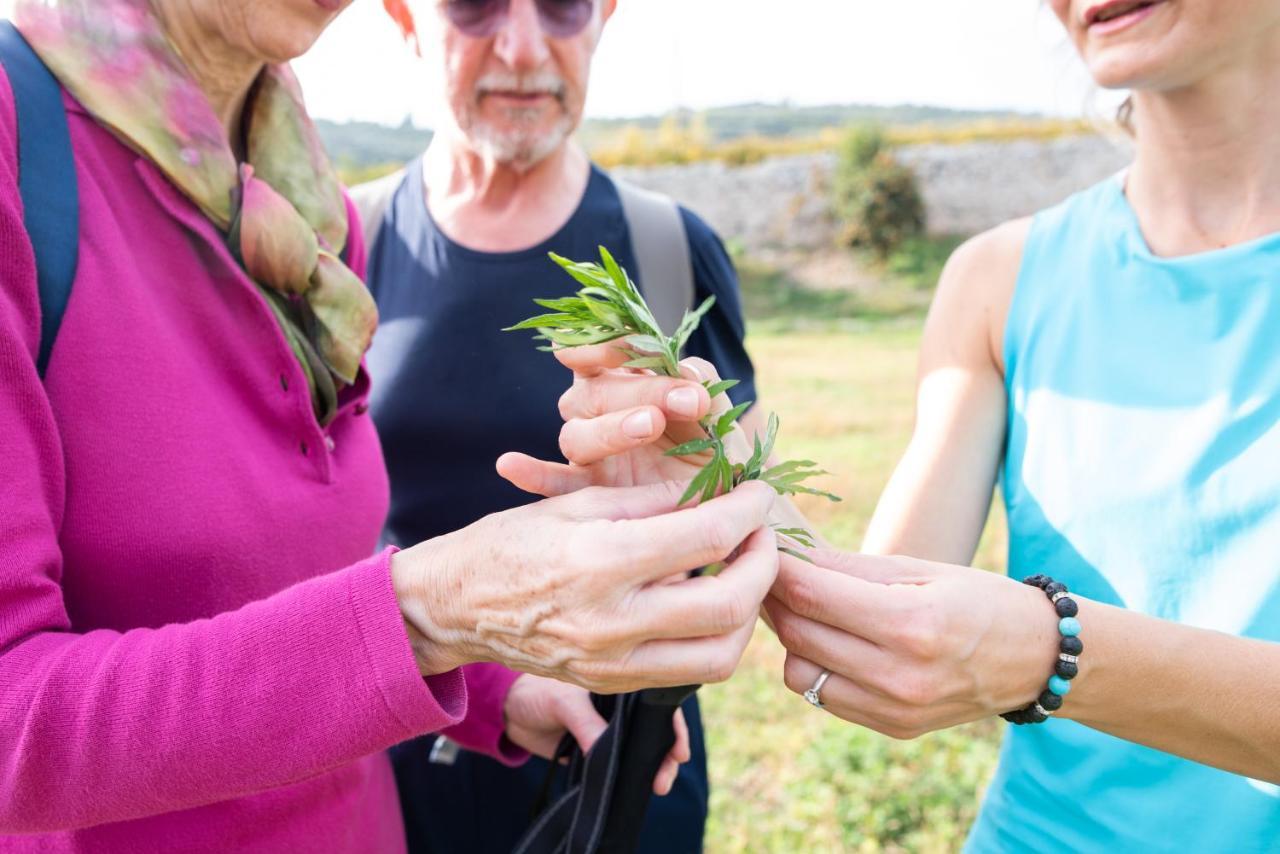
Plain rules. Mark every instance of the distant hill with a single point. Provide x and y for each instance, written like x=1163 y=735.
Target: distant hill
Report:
x=360 y=145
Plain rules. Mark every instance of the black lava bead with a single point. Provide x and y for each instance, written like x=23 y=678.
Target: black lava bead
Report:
x=1050 y=701
x=1066 y=670
x=1071 y=646
x=1036 y=580
x=1054 y=588
x=1067 y=607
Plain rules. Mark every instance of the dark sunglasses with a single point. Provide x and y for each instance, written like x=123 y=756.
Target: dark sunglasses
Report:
x=481 y=19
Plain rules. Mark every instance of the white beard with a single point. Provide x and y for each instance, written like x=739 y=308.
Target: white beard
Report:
x=520 y=148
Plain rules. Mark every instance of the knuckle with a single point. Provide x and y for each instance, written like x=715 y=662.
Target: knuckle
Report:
x=800 y=594
x=793 y=676
x=732 y=611
x=566 y=403
x=912 y=689
x=921 y=632
x=789 y=634
x=720 y=667
x=716 y=540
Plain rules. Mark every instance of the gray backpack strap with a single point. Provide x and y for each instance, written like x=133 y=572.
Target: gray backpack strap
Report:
x=372 y=200
x=662 y=252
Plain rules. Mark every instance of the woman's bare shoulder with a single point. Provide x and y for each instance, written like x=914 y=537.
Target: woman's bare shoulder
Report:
x=975 y=291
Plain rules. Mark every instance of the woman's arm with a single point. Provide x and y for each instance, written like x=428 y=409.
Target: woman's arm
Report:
x=936 y=503
x=917 y=646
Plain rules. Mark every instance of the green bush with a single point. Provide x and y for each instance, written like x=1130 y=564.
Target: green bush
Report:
x=874 y=196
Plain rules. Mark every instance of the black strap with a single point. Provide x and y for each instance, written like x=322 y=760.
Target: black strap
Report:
x=46 y=181
x=602 y=811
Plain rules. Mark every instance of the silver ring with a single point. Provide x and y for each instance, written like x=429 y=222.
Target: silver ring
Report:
x=814 y=694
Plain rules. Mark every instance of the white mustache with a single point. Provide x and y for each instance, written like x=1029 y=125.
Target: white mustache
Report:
x=537 y=83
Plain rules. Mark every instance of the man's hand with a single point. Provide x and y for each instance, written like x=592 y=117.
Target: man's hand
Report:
x=539 y=711
x=619 y=422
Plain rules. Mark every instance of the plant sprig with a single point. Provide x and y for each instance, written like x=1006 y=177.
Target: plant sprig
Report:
x=608 y=307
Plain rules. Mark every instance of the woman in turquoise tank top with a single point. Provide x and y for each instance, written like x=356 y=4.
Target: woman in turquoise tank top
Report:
x=1116 y=361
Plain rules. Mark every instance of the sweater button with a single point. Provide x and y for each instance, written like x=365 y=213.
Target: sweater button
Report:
x=329 y=443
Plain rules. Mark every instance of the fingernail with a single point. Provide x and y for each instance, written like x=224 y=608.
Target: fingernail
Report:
x=683 y=401
x=692 y=370
x=638 y=425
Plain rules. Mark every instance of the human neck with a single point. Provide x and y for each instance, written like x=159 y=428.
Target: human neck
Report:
x=224 y=73
x=1207 y=169
x=494 y=207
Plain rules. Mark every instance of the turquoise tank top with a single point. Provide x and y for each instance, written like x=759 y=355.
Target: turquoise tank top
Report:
x=1143 y=470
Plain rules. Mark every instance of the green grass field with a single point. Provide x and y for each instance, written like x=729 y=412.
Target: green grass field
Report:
x=784 y=776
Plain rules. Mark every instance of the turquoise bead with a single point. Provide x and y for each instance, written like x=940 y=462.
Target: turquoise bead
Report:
x=1069 y=627
x=1059 y=686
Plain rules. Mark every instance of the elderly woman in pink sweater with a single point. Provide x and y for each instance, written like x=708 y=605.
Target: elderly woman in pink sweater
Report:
x=199 y=649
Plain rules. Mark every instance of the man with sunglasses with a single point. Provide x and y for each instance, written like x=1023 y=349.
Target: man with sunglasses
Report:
x=459 y=244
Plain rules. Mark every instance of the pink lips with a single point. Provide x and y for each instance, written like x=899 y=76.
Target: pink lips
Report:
x=1122 y=22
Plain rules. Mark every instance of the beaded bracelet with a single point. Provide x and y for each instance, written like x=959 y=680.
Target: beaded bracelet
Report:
x=1068 y=663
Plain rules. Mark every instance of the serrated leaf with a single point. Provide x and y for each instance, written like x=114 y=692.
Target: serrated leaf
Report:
x=788 y=467
x=697 y=446
x=795 y=489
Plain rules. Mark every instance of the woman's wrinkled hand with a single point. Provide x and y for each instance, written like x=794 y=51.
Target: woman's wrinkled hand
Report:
x=912 y=646
x=579 y=588
x=619 y=422
x=539 y=711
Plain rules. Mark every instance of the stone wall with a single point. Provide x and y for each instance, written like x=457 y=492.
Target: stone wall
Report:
x=781 y=204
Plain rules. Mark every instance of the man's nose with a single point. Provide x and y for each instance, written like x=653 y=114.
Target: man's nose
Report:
x=521 y=44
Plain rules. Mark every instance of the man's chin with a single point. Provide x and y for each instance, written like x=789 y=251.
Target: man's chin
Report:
x=519 y=150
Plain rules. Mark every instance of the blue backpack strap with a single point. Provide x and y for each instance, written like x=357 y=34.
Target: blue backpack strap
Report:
x=46 y=181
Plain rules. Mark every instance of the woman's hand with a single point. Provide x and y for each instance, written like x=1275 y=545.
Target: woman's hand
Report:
x=619 y=423
x=539 y=711
x=912 y=646
x=579 y=588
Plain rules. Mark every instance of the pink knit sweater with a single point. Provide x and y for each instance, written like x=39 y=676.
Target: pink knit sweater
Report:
x=197 y=649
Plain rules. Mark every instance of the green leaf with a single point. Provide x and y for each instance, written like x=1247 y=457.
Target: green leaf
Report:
x=649 y=362
x=794 y=489
x=612 y=268
x=789 y=467
x=717 y=389
x=799 y=555
x=697 y=446
x=647 y=343
x=801 y=535
x=690 y=322
x=542 y=321
x=724 y=426
x=698 y=484
x=771 y=436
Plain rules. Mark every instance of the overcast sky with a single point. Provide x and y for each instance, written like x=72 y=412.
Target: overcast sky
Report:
x=659 y=54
